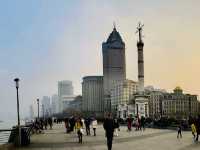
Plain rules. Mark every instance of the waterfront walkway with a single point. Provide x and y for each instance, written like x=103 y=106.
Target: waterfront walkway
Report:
x=150 y=139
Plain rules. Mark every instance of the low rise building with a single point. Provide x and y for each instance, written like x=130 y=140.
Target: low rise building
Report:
x=122 y=93
x=179 y=105
x=92 y=91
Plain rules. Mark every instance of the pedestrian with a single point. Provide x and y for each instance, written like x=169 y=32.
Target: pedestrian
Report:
x=50 y=122
x=129 y=123
x=116 y=126
x=179 y=129
x=109 y=129
x=87 y=126
x=45 y=123
x=194 y=131
x=143 y=123
x=66 y=120
x=72 y=123
x=94 y=125
x=79 y=128
x=197 y=125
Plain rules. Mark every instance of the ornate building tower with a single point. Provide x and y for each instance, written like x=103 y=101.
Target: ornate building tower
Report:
x=114 y=66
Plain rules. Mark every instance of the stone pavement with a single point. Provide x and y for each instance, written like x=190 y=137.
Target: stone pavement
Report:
x=150 y=139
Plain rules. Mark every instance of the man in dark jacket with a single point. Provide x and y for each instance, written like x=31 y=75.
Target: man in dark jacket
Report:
x=197 y=124
x=109 y=129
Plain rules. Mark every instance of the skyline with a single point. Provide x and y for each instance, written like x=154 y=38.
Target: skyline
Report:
x=44 y=42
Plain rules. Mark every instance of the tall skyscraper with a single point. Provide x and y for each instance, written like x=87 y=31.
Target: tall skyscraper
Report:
x=65 y=89
x=114 y=66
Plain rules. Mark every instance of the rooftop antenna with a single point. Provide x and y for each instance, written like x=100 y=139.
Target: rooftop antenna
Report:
x=139 y=30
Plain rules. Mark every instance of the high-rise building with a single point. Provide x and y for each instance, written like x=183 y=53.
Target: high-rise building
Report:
x=92 y=92
x=114 y=66
x=46 y=106
x=54 y=104
x=65 y=89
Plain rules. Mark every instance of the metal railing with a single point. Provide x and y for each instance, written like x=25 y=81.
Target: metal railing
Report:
x=4 y=135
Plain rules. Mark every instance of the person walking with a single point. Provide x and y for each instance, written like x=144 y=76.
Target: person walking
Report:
x=109 y=129
x=50 y=122
x=129 y=123
x=197 y=125
x=87 y=126
x=79 y=128
x=179 y=129
x=116 y=126
x=143 y=123
x=194 y=131
x=66 y=120
x=94 y=125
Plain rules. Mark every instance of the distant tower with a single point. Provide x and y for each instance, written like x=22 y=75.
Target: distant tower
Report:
x=31 y=112
x=114 y=66
x=141 y=99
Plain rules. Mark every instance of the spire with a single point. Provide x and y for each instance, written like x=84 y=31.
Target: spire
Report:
x=114 y=26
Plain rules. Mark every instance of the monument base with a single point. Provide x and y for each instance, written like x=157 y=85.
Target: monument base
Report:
x=142 y=105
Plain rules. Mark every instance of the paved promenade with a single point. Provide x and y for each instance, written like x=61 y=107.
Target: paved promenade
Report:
x=150 y=139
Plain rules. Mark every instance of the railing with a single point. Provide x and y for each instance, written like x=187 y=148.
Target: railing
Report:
x=4 y=135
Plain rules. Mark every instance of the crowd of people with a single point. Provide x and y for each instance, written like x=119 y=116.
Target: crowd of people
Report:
x=88 y=126
x=77 y=124
x=41 y=124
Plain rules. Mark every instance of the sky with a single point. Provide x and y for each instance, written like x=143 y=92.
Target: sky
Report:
x=45 y=41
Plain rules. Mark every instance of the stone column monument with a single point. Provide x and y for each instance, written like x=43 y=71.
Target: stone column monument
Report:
x=141 y=99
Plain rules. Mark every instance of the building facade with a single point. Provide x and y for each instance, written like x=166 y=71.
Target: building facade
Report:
x=92 y=92
x=179 y=105
x=54 y=104
x=46 y=106
x=76 y=104
x=66 y=100
x=122 y=94
x=114 y=66
x=155 y=101
x=65 y=88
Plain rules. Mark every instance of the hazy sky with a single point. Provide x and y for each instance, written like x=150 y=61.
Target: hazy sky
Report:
x=43 y=41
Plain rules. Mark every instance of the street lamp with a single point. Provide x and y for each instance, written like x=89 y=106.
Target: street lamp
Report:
x=38 y=108
x=18 y=117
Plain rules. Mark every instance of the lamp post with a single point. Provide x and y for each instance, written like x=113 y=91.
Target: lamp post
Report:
x=38 y=108
x=18 y=117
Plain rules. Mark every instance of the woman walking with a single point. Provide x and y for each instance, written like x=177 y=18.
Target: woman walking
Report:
x=194 y=131
x=94 y=125
x=79 y=128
